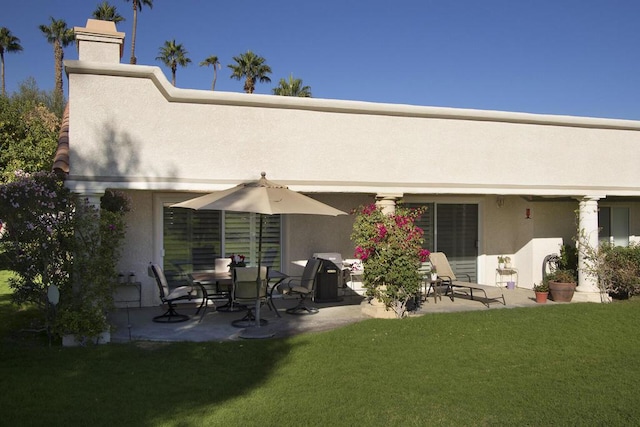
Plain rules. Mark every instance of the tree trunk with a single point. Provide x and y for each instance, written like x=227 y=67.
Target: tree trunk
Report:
x=58 y=53
x=4 y=92
x=133 y=59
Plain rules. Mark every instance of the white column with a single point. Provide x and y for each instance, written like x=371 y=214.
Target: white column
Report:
x=387 y=202
x=587 y=289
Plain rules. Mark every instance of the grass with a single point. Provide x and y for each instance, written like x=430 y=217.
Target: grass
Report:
x=572 y=364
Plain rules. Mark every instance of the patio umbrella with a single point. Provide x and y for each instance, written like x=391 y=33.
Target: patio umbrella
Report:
x=263 y=197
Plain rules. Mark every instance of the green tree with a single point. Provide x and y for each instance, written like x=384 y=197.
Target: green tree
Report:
x=251 y=67
x=137 y=6
x=60 y=37
x=28 y=132
x=172 y=55
x=107 y=12
x=213 y=61
x=8 y=43
x=292 y=87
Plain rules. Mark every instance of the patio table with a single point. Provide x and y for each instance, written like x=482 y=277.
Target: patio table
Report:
x=224 y=279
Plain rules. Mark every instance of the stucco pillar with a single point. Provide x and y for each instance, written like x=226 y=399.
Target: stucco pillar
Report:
x=387 y=202
x=587 y=289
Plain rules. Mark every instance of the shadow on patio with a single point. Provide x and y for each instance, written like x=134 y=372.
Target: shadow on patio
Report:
x=135 y=324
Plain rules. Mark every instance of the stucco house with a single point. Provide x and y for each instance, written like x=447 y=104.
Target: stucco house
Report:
x=495 y=183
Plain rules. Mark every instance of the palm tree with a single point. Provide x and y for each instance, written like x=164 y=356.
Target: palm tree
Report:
x=212 y=60
x=137 y=6
x=172 y=55
x=252 y=67
x=107 y=12
x=8 y=43
x=60 y=37
x=292 y=87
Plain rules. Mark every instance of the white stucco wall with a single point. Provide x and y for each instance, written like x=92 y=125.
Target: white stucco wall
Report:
x=130 y=129
x=156 y=136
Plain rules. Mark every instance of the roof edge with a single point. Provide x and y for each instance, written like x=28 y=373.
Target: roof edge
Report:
x=173 y=94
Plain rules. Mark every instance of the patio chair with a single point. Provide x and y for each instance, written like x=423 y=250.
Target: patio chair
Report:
x=451 y=281
x=303 y=287
x=246 y=292
x=170 y=298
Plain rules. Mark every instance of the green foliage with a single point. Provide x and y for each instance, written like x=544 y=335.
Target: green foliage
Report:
x=55 y=238
x=252 y=67
x=390 y=247
x=28 y=133
x=292 y=87
x=562 y=276
x=619 y=270
x=519 y=367
x=568 y=258
x=541 y=287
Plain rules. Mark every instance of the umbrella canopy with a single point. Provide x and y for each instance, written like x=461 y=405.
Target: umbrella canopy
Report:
x=261 y=196
x=265 y=198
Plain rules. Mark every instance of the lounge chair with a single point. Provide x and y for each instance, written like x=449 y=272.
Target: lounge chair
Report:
x=453 y=284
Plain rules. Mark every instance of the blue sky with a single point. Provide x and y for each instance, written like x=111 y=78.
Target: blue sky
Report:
x=569 y=57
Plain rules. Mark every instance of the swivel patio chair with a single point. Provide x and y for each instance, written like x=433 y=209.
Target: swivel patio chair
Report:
x=303 y=287
x=170 y=298
x=246 y=291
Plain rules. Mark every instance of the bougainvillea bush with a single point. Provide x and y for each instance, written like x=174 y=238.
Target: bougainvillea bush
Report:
x=390 y=247
x=55 y=238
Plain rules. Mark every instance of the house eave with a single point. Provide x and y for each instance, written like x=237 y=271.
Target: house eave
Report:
x=173 y=94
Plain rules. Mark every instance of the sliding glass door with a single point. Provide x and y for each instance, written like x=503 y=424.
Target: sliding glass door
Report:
x=192 y=239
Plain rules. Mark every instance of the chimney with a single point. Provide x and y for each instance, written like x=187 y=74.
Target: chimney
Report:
x=99 y=41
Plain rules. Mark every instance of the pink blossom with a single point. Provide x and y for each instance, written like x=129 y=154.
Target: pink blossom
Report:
x=424 y=254
x=362 y=253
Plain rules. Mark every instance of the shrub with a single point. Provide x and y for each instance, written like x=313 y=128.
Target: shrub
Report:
x=390 y=247
x=619 y=270
x=55 y=238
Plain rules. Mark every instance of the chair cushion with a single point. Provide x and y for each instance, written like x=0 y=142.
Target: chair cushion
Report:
x=299 y=289
x=179 y=293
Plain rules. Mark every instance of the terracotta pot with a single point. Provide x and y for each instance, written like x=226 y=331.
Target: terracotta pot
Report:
x=561 y=292
x=541 y=297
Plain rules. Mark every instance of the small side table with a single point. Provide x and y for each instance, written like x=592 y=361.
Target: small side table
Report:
x=127 y=289
x=502 y=273
x=434 y=284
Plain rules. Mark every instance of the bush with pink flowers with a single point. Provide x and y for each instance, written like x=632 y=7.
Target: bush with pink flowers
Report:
x=390 y=247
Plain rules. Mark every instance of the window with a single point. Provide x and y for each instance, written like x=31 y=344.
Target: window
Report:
x=192 y=239
x=614 y=225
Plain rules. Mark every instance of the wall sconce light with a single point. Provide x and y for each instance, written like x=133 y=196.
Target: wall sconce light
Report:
x=500 y=201
x=527 y=213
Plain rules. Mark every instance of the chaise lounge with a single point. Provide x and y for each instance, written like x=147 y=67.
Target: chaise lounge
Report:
x=453 y=284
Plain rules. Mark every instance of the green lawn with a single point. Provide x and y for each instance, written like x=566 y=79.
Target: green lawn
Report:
x=572 y=364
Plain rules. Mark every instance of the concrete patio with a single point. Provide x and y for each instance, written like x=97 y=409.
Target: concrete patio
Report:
x=135 y=324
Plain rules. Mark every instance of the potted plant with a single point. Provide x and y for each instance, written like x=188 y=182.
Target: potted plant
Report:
x=562 y=284
x=542 y=292
x=504 y=262
x=434 y=273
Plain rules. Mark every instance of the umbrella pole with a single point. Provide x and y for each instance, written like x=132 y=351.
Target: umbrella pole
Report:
x=258 y=277
x=257 y=331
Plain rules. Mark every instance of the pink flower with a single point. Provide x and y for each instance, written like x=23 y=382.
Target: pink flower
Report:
x=424 y=255
x=369 y=209
x=382 y=232
x=362 y=253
